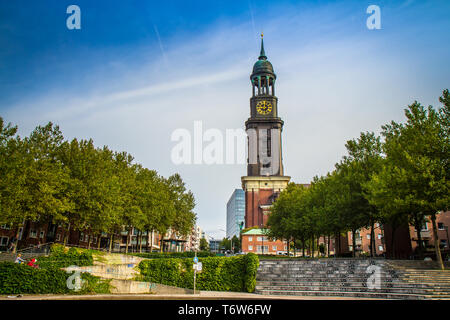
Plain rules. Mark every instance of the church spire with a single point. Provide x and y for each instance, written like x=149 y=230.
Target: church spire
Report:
x=262 y=54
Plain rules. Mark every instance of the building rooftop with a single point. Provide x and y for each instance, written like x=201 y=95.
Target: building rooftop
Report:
x=256 y=232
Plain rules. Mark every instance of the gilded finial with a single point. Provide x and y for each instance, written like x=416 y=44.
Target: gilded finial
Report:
x=262 y=55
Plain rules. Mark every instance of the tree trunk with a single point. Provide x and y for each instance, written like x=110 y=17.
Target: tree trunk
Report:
x=135 y=248
x=418 y=227
x=303 y=247
x=328 y=246
x=16 y=244
x=127 y=242
x=111 y=240
x=140 y=241
x=66 y=234
x=339 y=244
x=99 y=238
x=354 y=243
x=312 y=246
x=89 y=241
x=318 y=246
x=393 y=243
x=151 y=242
x=295 y=251
x=372 y=224
x=288 y=245
x=436 y=243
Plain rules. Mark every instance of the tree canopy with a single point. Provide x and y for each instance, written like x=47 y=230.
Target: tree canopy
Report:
x=46 y=178
x=400 y=176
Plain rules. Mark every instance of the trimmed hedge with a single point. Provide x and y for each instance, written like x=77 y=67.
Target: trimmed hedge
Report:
x=59 y=258
x=165 y=255
x=219 y=273
x=49 y=278
x=19 y=278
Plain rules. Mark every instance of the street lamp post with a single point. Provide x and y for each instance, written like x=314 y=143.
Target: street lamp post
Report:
x=262 y=240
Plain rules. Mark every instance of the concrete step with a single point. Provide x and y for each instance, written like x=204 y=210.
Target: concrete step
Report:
x=349 y=278
x=367 y=295
x=324 y=277
x=354 y=284
x=353 y=289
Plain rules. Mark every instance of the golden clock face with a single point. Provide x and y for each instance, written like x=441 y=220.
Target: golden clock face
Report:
x=264 y=107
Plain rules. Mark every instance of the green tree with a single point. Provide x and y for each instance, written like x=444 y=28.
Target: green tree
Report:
x=236 y=244
x=415 y=173
x=225 y=244
x=204 y=246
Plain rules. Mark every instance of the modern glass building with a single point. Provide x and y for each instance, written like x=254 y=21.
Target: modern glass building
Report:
x=235 y=212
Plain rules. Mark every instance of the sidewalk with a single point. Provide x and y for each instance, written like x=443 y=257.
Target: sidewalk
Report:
x=203 y=295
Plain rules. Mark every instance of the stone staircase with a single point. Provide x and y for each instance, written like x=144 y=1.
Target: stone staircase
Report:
x=122 y=271
x=353 y=278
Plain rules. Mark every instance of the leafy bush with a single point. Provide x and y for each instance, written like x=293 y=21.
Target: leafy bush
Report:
x=61 y=258
x=163 y=255
x=251 y=267
x=94 y=284
x=58 y=248
x=49 y=278
x=218 y=274
x=19 y=278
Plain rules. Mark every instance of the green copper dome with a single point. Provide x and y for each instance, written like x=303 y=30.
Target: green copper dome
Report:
x=262 y=66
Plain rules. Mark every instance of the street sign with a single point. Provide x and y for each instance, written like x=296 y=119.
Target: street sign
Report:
x=197 y=266
x=195 y=259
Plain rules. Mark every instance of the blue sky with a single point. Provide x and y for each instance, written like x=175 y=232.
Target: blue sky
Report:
x=138 y=70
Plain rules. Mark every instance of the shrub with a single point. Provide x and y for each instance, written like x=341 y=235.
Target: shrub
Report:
x=218 y=274
x=94 y=284
x=61 y=258
x=49 y=278
x=164 y=255
x=251 y=267
x=19 y=278
x=58 y=248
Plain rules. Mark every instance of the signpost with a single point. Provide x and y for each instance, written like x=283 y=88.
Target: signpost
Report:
x=197 y=266
x=195 y=269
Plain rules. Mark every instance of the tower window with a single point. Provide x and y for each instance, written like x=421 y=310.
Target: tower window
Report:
x=269 y=143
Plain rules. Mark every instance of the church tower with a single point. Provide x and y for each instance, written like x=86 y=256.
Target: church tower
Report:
x=265 y=175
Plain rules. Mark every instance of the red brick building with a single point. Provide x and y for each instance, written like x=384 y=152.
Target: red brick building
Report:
x=442 y=224
x=256 y=241
x=34 y=233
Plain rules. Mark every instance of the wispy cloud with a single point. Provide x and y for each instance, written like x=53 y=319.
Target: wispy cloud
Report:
x=163 y=53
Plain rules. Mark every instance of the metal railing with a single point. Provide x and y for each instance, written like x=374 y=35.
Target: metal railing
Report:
x=37 y=249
